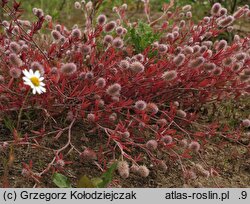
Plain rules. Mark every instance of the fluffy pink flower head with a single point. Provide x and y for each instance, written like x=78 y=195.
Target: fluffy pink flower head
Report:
x=215 y=11
x=101 y=19
x=194 y=146
x=152 y=108
x=101 y=82
x=15 y=60
x=123 y=169
x=246 y=123
x=137 y=67
x=110 y=26
x=68 y=68
x=118 y=42
x=169 y=75
x=167 y=139
x=15 y=47
x=124 y=64
x=114 y=89
x=143 y=171
x=152 y=145
x=140 y=105
x=15 y=72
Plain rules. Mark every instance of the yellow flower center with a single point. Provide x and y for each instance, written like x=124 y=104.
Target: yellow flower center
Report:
x=35 y=81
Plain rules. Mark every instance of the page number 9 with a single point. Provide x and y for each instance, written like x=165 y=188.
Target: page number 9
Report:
x=243 y=194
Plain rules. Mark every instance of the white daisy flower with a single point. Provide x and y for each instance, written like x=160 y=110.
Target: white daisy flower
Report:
x=34 y=80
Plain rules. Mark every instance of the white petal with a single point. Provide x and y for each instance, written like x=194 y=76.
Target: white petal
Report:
x=31 y=72
x=26 y=73
x=37 y=74
x=38 y=90
x=34 y=91
x=42 y=84
x=41 y=78
x=43 y=89
x=26 y=79
x=30 y=84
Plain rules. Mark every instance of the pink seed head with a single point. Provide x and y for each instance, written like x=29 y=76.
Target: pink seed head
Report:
x=152 y=145
x=101 y=83
x=167 y=139
x=241 y=56
x=2 y=80
x=86 y=49
x=189 y=14
x=188 y=50
x=162 y=166
x=184 y=143
x=68 y=68
x=124 y=64
x=216 y=9
x=152 y=108
x=113 y=117
x=91 y=117
x=89 y=75
x=206 y=19
x=76 y=33
x=110 y=26
x=223 y=11
x=237 y=66
x=39 y=13
x=217 y=71
x=179 y=59
x=119 y=30
x=126 y=134
x=115 y=98
x=137 y=67
x=37 y=66
x=88 y=155
x=101 y=19
x=123 y=169
x=58 y=27
x=227 y=62
x=48 y=18
x=181 y=113
x=221 y=45
x=15 y=73
x=162 y=48
x=186 y=8
x=209 y=66
x=77 y=5
x=56 y=35
x=15 y=47
x=140 y=105
x=196 y=62
x=108 y=39
x=114 y=89
x=169 y=75
x=162 y=122
x=226 y=22
x=194 y=146
x=246 y=123
x=134 y=168
x=15 y=60
x=182 y=23
x=118 y=42
x=25 y=48
x=143 y=171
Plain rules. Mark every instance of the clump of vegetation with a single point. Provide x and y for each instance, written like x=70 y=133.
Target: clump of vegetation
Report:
x=136 y=87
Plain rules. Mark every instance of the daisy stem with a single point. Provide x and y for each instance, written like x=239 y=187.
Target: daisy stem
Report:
x=21 y=110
